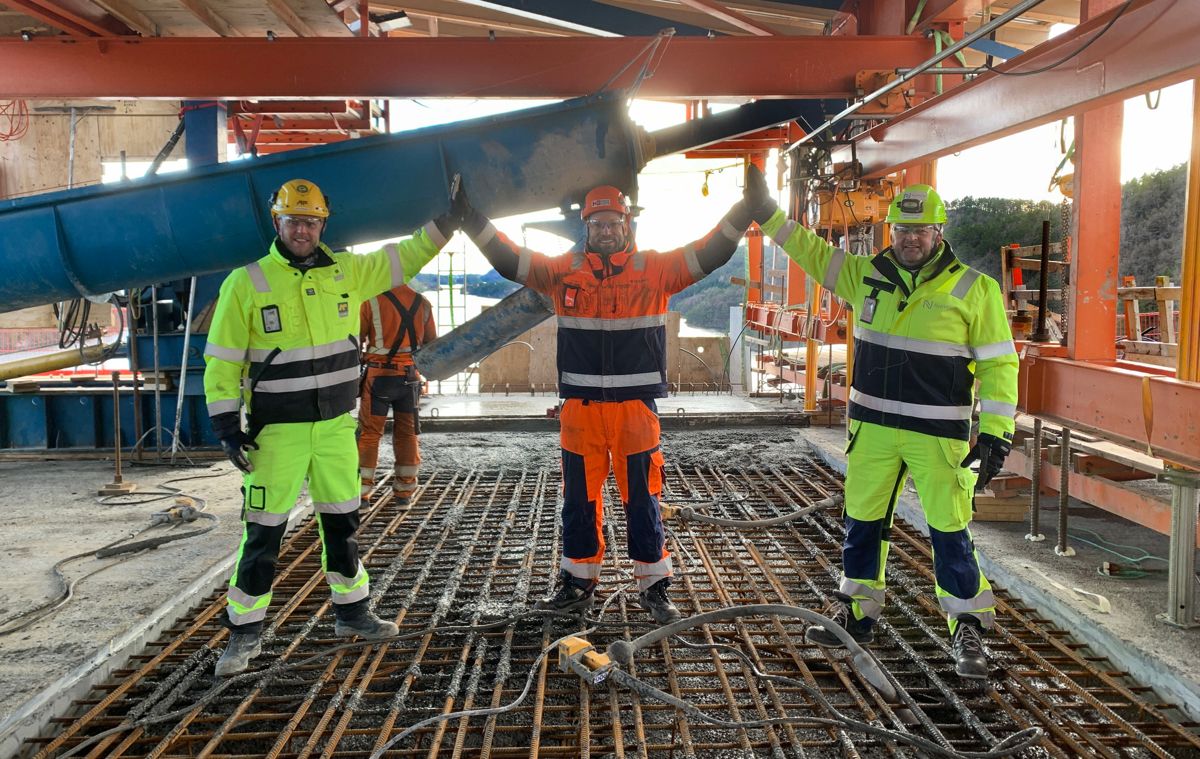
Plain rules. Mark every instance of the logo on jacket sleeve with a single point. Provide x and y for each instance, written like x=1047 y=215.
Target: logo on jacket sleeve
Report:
x=343 y=309
x=271 y=320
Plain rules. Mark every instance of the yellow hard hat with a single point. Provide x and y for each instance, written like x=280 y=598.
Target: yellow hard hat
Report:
x=917 y=204
x=299 y=197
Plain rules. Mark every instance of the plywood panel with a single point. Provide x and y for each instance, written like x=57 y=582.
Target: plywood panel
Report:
x=38 y=317
x=38 y=162
x=141 y=137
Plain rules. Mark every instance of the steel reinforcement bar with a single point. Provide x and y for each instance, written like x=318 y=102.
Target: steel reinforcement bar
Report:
x=458 y=571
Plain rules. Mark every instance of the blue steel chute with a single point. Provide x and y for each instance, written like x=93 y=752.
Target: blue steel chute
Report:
x=98 y=239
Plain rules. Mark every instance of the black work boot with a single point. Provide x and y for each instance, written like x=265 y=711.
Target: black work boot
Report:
x=570 y=593
x=358 y=619
x=242 y=647
x=970 y=655
x=654 y=600
x=841 y=612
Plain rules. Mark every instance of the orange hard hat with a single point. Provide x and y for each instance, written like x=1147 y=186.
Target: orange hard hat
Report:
x=605 y=198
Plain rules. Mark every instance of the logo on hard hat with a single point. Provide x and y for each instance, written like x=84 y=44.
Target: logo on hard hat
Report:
x=601 y=202
x=302 y=188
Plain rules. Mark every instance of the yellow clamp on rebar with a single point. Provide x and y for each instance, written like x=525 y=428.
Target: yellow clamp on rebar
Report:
x=667 y=510
x=577 y=655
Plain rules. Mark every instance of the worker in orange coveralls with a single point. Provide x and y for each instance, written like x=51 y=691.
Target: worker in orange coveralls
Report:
x=611 y=304
x=394 y=324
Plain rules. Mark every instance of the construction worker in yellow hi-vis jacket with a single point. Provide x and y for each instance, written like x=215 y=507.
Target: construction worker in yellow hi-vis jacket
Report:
x=927 y=329
x=284 y=345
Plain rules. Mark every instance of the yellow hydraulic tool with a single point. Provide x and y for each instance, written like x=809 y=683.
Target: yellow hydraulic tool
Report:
x=581 y=657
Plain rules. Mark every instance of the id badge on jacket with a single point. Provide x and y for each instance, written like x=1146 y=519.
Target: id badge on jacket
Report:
x=868 y=310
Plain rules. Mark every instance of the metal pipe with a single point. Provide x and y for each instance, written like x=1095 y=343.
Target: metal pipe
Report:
x=116 y=382
x=1181 y=559
x=157 y=375
x=979 y=33
x=183 y=368
x=135 y=365
x=964 y=70
x=1040 y=335
x=1064 y=486
x=1035 y=495
x=48 y=362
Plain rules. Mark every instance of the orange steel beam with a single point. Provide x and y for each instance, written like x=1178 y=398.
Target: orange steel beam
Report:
x=347 y=124
x=729 y=16
x=1111 y=496
x=1096 y=235
x=1140 y=409
x=1096 y=225
x=1151 y=45
x=230 y=69
x=293 y=106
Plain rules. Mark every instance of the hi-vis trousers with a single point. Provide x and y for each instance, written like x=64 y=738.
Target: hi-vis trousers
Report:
x=879 y=461
x=624 y=433
x=325 y=454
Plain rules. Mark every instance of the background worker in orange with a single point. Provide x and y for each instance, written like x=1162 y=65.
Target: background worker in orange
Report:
x=611 y=303
x=394 y=324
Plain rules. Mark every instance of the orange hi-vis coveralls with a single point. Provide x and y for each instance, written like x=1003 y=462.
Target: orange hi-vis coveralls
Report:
x=612 y=315
x=393 y=325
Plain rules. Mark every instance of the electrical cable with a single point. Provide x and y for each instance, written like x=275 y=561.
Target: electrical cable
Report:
x=1068 y=57
x=15 y=114
x=118 y=547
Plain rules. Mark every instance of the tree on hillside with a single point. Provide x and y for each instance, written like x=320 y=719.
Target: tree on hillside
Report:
x=978 y=227
x=706 y=304
x=1152 y=210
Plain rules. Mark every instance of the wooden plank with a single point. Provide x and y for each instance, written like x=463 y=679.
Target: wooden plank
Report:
x=288 y=16
x=1151 y=347
x=130 y=16
x=210 y=18
x=1001 y=509
x=1149 y=293
x=1103 y=448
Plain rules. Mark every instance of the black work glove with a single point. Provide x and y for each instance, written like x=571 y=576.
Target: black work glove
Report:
x=990 y=451
x=461 y=214
x=234 y=441
x=757 y=196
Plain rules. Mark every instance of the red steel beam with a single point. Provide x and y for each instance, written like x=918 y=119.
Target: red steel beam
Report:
x=347 y=124
x=1151 y=45
x=1144 y=410
x=230 y=69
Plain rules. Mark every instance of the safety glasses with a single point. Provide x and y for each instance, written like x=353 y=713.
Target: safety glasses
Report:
x=310 y=223
x=913 y=230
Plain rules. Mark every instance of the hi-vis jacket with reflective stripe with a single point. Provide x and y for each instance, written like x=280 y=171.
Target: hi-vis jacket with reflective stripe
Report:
x=922 y=339
x=285 y=341
x=612 y=311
